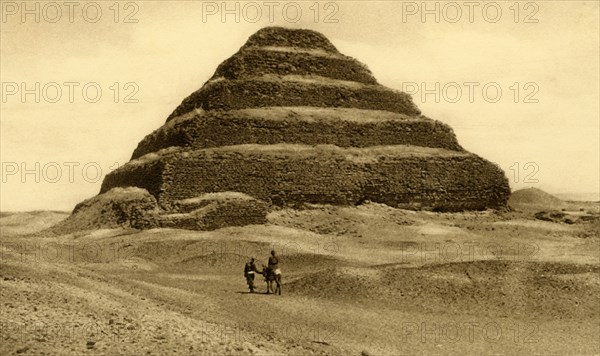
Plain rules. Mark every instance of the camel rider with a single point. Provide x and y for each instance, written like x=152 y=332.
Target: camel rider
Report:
x=274 y=263
x=249 y=270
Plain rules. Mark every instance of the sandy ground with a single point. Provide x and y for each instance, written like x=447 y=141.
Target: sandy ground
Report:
x=369 y=279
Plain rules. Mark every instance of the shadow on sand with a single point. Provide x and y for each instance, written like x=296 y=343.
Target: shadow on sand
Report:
x=257 y=293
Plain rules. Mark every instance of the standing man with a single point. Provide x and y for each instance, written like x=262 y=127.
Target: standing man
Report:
x=274 y=263
x=249 y=270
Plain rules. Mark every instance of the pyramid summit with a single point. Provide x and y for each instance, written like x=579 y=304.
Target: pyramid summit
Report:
x=283 y=67
x=286 y=37
x=289 y=120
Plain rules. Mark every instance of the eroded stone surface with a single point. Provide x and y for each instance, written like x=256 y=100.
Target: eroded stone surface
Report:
x=130 y=207
x=290 y=175
x=299 y=125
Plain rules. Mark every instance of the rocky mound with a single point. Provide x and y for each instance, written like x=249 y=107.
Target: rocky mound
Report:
x=534 y=197
x=135 y=208
x=130 y=207
x=289 y=120
x=216 y=210
x=567 y=217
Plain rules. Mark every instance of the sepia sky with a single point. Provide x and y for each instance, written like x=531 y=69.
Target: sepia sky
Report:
x=546 y=126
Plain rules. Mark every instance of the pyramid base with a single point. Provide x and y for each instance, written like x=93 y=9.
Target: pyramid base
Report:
x=291 y=175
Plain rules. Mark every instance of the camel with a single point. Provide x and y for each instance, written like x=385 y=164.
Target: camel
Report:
x=271 y=277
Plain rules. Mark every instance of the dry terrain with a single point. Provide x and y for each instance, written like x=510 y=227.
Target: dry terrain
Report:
x=357 y=280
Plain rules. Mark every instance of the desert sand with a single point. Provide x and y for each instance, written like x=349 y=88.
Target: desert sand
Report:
x=366 y=279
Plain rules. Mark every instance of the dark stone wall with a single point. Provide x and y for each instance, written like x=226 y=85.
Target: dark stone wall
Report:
x=257 y=62
x=147 y=175
x=214 y=129
x=256 y=93
x=456 y=184
x=446 y=181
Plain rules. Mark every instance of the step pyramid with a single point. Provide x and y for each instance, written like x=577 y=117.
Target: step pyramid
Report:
x=289 y=120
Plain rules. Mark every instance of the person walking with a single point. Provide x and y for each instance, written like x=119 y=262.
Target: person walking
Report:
x=249 y=271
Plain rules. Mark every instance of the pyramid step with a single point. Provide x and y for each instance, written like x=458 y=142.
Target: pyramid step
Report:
x=299 y=125
x=284 y=175
x=291 y=90
x=268 y=60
